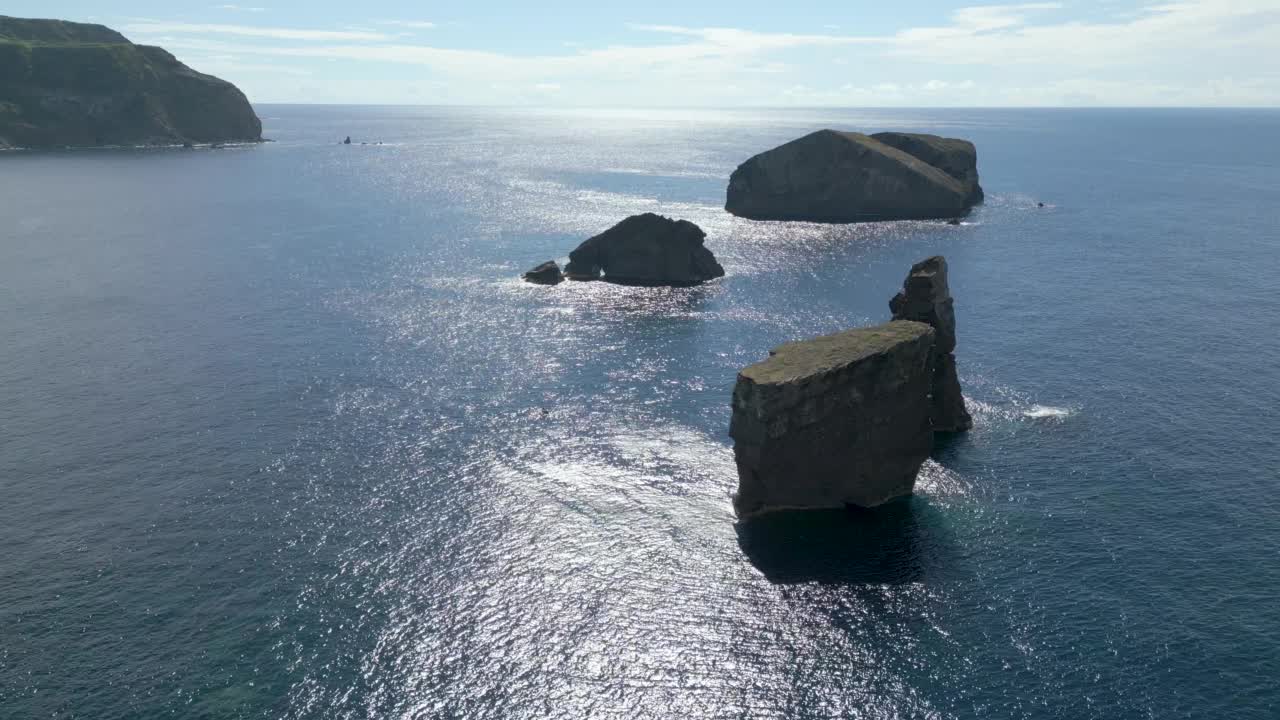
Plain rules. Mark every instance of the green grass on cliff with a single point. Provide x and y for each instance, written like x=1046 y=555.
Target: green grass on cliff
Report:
x=805 y=358
x=85 y=66
x=56 y=32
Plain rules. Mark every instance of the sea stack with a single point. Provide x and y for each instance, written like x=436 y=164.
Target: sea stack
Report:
x=645 y=249
x=837 y=421
x=73 y=84
x=925 y=297
x=847 y=177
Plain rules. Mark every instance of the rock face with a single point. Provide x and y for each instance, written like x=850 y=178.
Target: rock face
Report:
x=646 y=249
x=845 y=177
x=548 y=273
x=837 y=421
x=64 y=83
x=926 y=298
x=955 y=157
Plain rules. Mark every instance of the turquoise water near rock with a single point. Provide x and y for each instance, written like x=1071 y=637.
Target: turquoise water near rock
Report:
x=282 y=435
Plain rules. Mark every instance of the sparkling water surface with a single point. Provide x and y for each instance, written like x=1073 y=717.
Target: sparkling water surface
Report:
x=282 y=435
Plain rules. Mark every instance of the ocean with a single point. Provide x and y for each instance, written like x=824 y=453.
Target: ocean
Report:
x=283 y=435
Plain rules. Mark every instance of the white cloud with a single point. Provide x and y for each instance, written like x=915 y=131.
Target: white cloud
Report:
x=415 y=24
x=983 y=18
x=727 y=41
x=1188 y=52
x=1158 y=34
x=149 y=27
x=231 y=68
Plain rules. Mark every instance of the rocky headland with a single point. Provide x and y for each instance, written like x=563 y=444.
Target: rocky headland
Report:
x=646 y=249
x=846 y=177
x=80 y=85
x=846 y=420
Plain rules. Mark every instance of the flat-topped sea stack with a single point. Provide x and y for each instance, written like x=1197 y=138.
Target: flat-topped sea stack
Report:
x=645 y=249
x=846 y=420
x=74 y=84
x=837 y=421
x=847 y=177
x=926 y=298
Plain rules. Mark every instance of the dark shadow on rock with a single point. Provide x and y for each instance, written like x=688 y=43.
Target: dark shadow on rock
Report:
x=948 y=446
x=894 y=544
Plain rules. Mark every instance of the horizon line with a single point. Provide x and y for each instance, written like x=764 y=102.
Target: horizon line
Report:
x=766 y=107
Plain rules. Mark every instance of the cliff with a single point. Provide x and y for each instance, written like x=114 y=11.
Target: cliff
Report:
x=74 y=84
x=836 y=421
x=957 y=158
x=846 y=177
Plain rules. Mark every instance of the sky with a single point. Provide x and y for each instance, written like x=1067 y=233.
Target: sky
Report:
x=715 y=53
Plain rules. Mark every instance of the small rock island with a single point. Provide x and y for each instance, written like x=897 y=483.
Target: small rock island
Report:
x=847 y=177
x=81 y=85
x=647 y=249
x=846 y=420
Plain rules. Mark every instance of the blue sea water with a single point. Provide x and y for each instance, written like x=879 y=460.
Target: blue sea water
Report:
x=282 y=435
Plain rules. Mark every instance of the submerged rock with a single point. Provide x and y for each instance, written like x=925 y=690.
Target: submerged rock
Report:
x=925 y=297
x=548 y=273
x=645 y=249
x=74 y=84
x=836 y=421
x=845 y=177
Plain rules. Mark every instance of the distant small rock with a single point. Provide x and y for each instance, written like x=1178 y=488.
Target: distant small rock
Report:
x=347 y=141
x=646 y=249
x=953 y=221
x=548 y=273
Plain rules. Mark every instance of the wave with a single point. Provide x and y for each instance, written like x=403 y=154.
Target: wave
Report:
x=1009 y=406
x=1047 y=411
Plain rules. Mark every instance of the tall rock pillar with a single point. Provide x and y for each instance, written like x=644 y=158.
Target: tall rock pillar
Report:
x=926 y=298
